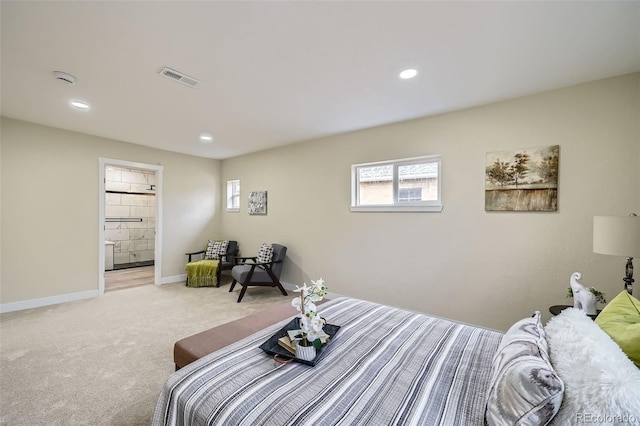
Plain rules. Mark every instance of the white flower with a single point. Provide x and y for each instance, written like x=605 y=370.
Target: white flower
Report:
x=304 y=323
x=316 y=323
x=314 y=297
x=304 y=288
x=318 y=290
x=310 y=322
x=309 y=306
x=311 y=325
x=313 y=335
x=298 y=301
x=295 y=302
x=319 y=283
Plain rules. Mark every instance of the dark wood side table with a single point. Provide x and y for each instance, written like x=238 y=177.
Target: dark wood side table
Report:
x=556 y=309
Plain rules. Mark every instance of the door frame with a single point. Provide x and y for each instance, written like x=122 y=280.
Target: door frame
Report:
x=157 y=262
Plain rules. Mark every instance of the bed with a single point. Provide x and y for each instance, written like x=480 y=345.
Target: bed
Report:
x=385 y=366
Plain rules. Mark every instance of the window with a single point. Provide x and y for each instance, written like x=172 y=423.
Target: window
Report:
x=233 y=195
x=410 y=194
x=410 y=184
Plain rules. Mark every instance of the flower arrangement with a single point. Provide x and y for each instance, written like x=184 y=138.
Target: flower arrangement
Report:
x=600 y=296
x=310 y=322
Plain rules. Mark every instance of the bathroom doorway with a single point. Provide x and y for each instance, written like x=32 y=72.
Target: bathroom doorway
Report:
x=130 y=233
x=119 y=279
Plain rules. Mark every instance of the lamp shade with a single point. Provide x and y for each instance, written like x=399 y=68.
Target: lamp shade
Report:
x=617 y=235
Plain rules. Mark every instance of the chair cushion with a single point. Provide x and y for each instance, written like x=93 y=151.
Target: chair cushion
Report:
x=226 y=264
x=215 y=249
x=265 y=254
x=525 y=389
x=620 y=319
x=240 y=273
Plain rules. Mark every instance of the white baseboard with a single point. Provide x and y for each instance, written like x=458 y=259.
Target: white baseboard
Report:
x=46 y=301
x=72 y=297
x=174 y=279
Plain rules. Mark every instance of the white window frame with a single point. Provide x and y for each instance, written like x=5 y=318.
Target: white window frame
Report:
x=232 y=195
x=410 y=206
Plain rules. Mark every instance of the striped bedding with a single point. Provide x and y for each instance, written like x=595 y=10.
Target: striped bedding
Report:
x=385 y=366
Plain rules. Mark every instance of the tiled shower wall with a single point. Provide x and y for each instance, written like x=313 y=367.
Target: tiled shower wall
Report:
x=134 y=241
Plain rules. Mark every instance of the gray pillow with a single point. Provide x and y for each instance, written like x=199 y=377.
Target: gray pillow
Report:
x=524 y=389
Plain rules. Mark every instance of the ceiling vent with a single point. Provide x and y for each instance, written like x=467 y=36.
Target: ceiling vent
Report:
x=179 y=77
x=64 y=77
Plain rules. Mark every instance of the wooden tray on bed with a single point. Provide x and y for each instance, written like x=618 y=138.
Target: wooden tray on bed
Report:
x=272 y=347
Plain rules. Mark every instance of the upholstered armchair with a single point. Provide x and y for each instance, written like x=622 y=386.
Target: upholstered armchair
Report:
x=217 y=257
x=261 y=270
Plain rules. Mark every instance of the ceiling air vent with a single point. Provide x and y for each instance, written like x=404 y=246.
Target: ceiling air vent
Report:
x=64 y=77
x=179 y=77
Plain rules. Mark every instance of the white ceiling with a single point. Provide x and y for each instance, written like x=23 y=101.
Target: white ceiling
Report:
x=274 y=73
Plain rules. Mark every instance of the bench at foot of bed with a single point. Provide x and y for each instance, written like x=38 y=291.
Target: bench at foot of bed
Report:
x=194 y=347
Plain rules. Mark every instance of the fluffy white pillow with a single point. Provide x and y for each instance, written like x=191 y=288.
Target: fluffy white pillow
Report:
x=601 y=385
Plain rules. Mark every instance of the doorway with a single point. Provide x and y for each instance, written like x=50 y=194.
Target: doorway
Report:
x=130 y=223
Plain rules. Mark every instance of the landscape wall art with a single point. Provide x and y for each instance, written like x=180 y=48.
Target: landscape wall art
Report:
x=522 y=180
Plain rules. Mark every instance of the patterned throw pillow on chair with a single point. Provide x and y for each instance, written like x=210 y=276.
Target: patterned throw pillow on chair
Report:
x=215 y=249
x=265 y=254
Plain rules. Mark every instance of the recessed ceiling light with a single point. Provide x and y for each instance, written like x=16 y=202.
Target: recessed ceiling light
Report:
x=206 y=137
x=408 y=73
x=80 y=105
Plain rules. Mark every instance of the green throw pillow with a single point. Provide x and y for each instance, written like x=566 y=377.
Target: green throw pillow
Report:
x=620 y=319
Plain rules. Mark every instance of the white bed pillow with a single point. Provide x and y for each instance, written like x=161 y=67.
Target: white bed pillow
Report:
x=601 y=385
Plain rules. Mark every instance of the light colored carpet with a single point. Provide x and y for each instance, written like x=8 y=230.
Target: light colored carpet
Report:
x=103 y=361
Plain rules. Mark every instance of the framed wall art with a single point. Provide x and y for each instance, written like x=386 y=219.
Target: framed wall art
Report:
x=258 y=203
x=522 y=180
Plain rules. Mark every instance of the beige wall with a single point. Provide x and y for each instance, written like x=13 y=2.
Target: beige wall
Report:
x=464 y=263
x=49 y=200
x=484 y=268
